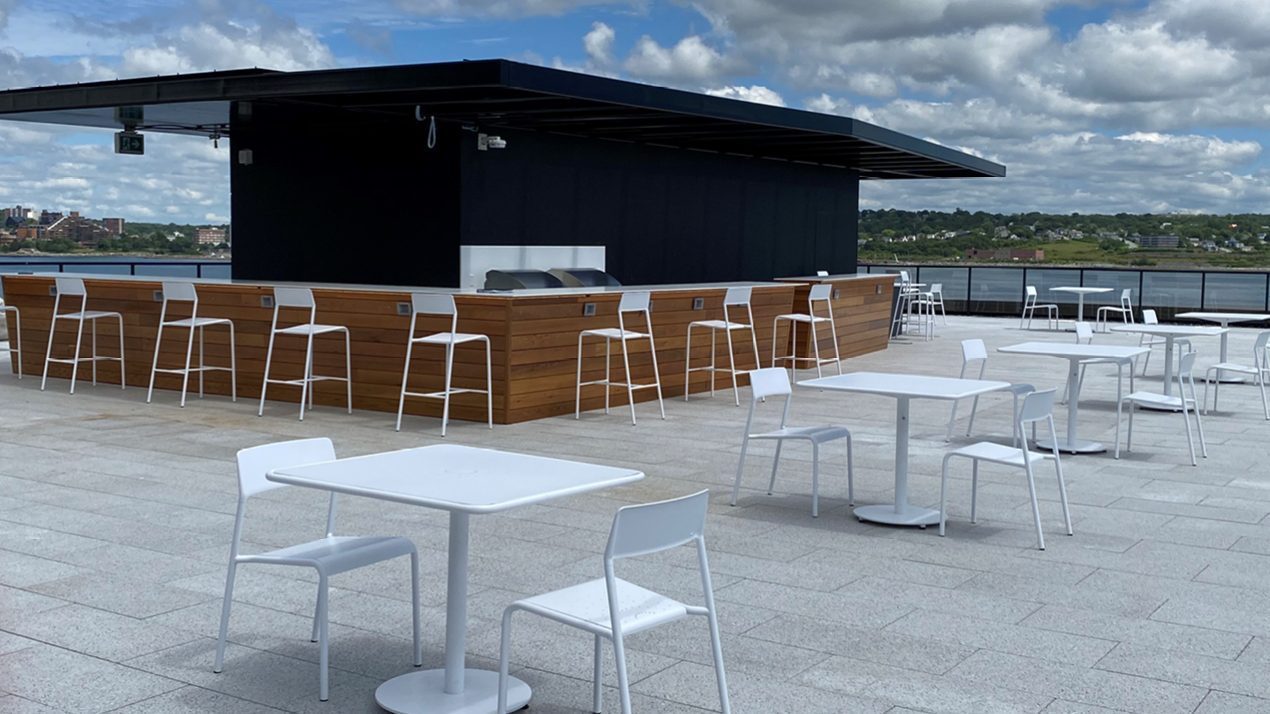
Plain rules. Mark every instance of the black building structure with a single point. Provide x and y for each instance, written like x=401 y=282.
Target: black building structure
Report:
x=378 y=175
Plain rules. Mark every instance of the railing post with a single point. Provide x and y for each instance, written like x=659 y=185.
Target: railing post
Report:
x=1203 y=289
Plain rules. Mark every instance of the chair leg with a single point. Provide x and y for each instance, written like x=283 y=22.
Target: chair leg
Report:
x=1261 y=384
x=233 y=365
x=652 y=352
x=306 y=386
x=974 y=408
x=504 y=657
x=815 y=480
x=623 y=681
x=1208 y=377
x=597 y=687
x=48 y=351
x=154 y=364
x=489 y=385
x=687 y=362
x=608 y=372
x=577 y=396
x=850 y=475
x=1190 y=443
x=714 y=358
x=952 y=418
x=185 y=376
x=1203 y=443
x=93 y=350
x=449 y=372
x=716 y=649
x=815 y=345
x=416 y=627
x=736 y=391
x=775 y=462
x=1062 y=495
x=201 y=362
x=79 y=338
x=974 y=489
x=348 y=370
x=405 y=378
x=324 y=643
x=1036 y=508
x=740 y=469
x=224 y=617
x=943 y=497
x=264 y=383
x=630 y=391
x=317 y=620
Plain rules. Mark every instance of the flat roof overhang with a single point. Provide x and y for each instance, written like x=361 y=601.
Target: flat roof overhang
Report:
x=504 y=94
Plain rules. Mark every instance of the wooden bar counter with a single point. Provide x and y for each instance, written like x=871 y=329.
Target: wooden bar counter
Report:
x=533 y=334
x=861 y=313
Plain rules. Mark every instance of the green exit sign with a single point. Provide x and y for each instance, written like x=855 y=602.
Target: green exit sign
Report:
x=129 y=142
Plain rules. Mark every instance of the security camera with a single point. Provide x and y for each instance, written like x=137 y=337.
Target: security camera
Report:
x=486 y=141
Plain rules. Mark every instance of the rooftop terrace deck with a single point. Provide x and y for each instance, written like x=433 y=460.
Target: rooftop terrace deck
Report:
x=115 y=522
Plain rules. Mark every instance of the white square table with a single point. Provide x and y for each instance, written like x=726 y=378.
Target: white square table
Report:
x=464 y=481
x=1224 y=319
x=1080 y=294
x=1170 y=333
x=904 y=388
x=1074 y=354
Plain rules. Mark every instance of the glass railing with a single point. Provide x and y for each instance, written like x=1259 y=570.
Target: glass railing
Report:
x=146 y=267
x=998 y=290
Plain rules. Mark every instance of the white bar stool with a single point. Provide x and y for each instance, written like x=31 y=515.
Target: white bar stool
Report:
x=186 y=292
x=15 y=339
x=735 y=298
x=630 y=302
x=819 y=293
x=74 y=287
x=443 y=305
x=302 y=299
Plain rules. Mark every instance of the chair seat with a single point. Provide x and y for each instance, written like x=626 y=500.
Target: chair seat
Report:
x=198 y=322
x=996 y=453
x=799 y=317
x=446 y=338
x=587 y=604
x=721 y=325
x=815 y=434
x=86 y=315
x=614 y=333
x=1155 y=399
x=336 y=554
x=1113 y=308
x=314 y=329
x=1233 y=367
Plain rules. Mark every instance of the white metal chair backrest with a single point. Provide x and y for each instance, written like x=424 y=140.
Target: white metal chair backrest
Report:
x=432 y=304
x=769 y=382
x=1126 y=298
x=1037 y=406
x=1185 y=365
x=937 y=289
x=255 y=462
x=653 y=527
x=1261 y=359
x=73 y=287
x=904 y=277
x=293 y=297
x=1149 y=318
x=972 y=350
x=1084 y=333
x=820 y=292
x=1030 y=291
x=179 y=291
x=634 y=302
x=737 y=296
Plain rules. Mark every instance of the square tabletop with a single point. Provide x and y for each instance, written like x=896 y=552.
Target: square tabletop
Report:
x=1074 y=351
x=456 y=478
x=1224 y=316
x=1172 y=330
x=917 y=386
x=1079 y=290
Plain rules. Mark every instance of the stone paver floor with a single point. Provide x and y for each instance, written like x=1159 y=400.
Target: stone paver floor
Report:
x=115 y=521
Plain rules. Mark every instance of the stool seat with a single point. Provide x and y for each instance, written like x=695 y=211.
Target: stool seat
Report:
x=799 y=317
x=721 y=325
x=198 y=322
x=614 y=333
x=314 y=329
x=448 y=338
x=87 y=315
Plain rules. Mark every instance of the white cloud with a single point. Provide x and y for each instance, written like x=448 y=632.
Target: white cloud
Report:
x=496 y=8
x=754 y=93
x=689 y=60
x=598 y=44
x=206 y=47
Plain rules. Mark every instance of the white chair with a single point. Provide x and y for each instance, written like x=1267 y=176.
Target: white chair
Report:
x=1037 y=407
x=1125 y=310
x=735 y=298
x=613 y=609
x=74 y=288
x=1180 y=401
x=329 y=556
x=822 y=294
x=774 y=382
x=181 y=293
x=903 y=305
x=632 y=302
x=974 y=351
x=15 y=336
x=1030 y=307
x=1085 y=336
x=429 y=304
x=1150 y=341
x=1259 y=369
x=292 y=299
x=933 y=300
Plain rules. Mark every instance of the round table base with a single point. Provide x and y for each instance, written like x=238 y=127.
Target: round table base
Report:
x=909 y=516
x=423 y=692
x=1080 y=446
x=1229 y=379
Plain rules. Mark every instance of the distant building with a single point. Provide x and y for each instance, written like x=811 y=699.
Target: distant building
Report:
x=113 y=225
x=75 y=227
x=209 y=236
x=33 y=232
x=1006 y=254
x=1161 y=241
x=48 y=218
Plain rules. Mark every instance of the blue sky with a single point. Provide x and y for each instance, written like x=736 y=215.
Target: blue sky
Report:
x=1134 y=105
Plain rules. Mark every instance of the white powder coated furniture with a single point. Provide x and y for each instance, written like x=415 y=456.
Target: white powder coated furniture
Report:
x=1122 y=356
x=903 y=388
x=1171 y=335
x=300 y=300
x=74 y=288
x=1037 y=407
x=442 y=305
x=1125 y=310
x=1080 y=294
x=328 y=556
x=633 y=302
x=1225 y=319
x=463 y=481
x=737 y=298
x=822 y=293
x=975 y=352
x=611 y=608
x=178 y=292
x=1259 y=369
x=1030 y=307
x=1183 y=402
x=15 y=340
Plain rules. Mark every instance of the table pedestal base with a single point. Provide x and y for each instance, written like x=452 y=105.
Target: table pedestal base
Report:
x=1068 y=446
x=423 y=692
x=908 y=516
x=1228 y=379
